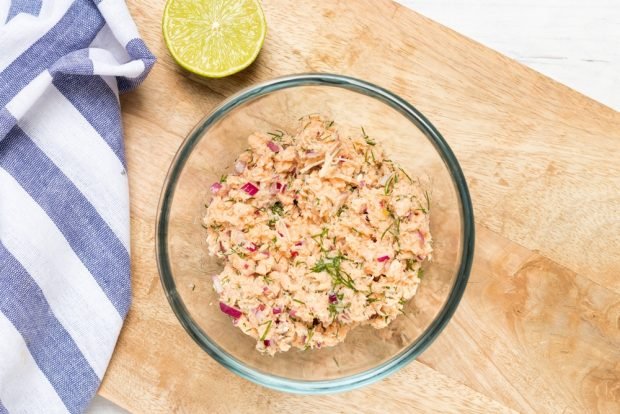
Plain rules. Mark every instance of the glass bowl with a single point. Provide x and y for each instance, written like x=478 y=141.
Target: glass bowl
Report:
x=209 y=151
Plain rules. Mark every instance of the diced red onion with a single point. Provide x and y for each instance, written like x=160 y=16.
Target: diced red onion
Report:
x=267 y=342
x=299 y=243
x=250 y=188
x=294 y=254
x=217 y=284
x=292 y=313
x=273 y=189
x=333 y=298
x=318 y=345
x=259 y=312
x=280 y=234
x=383 y=258
x=266 y=253
x=230 y=311
x=420 y=258
x=362 y=184
x=273 y=146
x=311 y=153
x=215 y=187
x=421 y=236
x=252 y=247
x=266 y=290
x=246 y=266
x=276 y=311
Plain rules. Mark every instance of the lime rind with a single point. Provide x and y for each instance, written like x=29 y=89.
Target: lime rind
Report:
x=214 y=38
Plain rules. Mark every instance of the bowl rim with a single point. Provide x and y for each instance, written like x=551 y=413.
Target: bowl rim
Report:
x=370 y=375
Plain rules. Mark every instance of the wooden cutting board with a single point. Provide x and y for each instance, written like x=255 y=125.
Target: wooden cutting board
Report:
x=538 y=329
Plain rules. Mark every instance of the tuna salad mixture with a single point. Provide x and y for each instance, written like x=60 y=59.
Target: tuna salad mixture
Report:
x=319 y=232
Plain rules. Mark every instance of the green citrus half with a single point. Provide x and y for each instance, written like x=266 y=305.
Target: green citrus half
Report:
x=214 y=38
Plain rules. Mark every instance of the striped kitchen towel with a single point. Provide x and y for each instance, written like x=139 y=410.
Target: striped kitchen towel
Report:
x=64 y=210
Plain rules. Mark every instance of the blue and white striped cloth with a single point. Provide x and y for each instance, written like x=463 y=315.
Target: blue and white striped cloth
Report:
x=64 y=208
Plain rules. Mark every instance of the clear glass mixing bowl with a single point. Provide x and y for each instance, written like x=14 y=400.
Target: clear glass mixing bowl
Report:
x=210 y=150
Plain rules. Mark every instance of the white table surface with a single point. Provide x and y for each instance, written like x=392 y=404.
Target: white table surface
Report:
x=575 y=42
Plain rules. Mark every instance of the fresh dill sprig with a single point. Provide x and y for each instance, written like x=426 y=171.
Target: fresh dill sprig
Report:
x=332 y=265
x=324 y=233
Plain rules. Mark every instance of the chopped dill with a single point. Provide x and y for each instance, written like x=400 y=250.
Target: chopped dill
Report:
x=389 y=184
x=409 y=263
x=266 y=331
x=406 y=175
x=278 y=136
x=337 y=308
x=237 y=252
x=277 y=208
x=223 y=178
x=298 y=301
x=428 y=201
x=386 y=230
x=368 y=140
x=310 y=335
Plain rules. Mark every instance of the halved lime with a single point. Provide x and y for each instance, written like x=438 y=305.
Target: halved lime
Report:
x=214 y=38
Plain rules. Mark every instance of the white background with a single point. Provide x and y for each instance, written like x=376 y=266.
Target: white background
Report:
x=576 y=42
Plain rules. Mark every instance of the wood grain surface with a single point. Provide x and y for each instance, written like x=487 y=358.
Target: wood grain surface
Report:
x=538 y=329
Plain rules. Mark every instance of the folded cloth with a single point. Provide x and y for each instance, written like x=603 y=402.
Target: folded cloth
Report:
x=64 y=210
